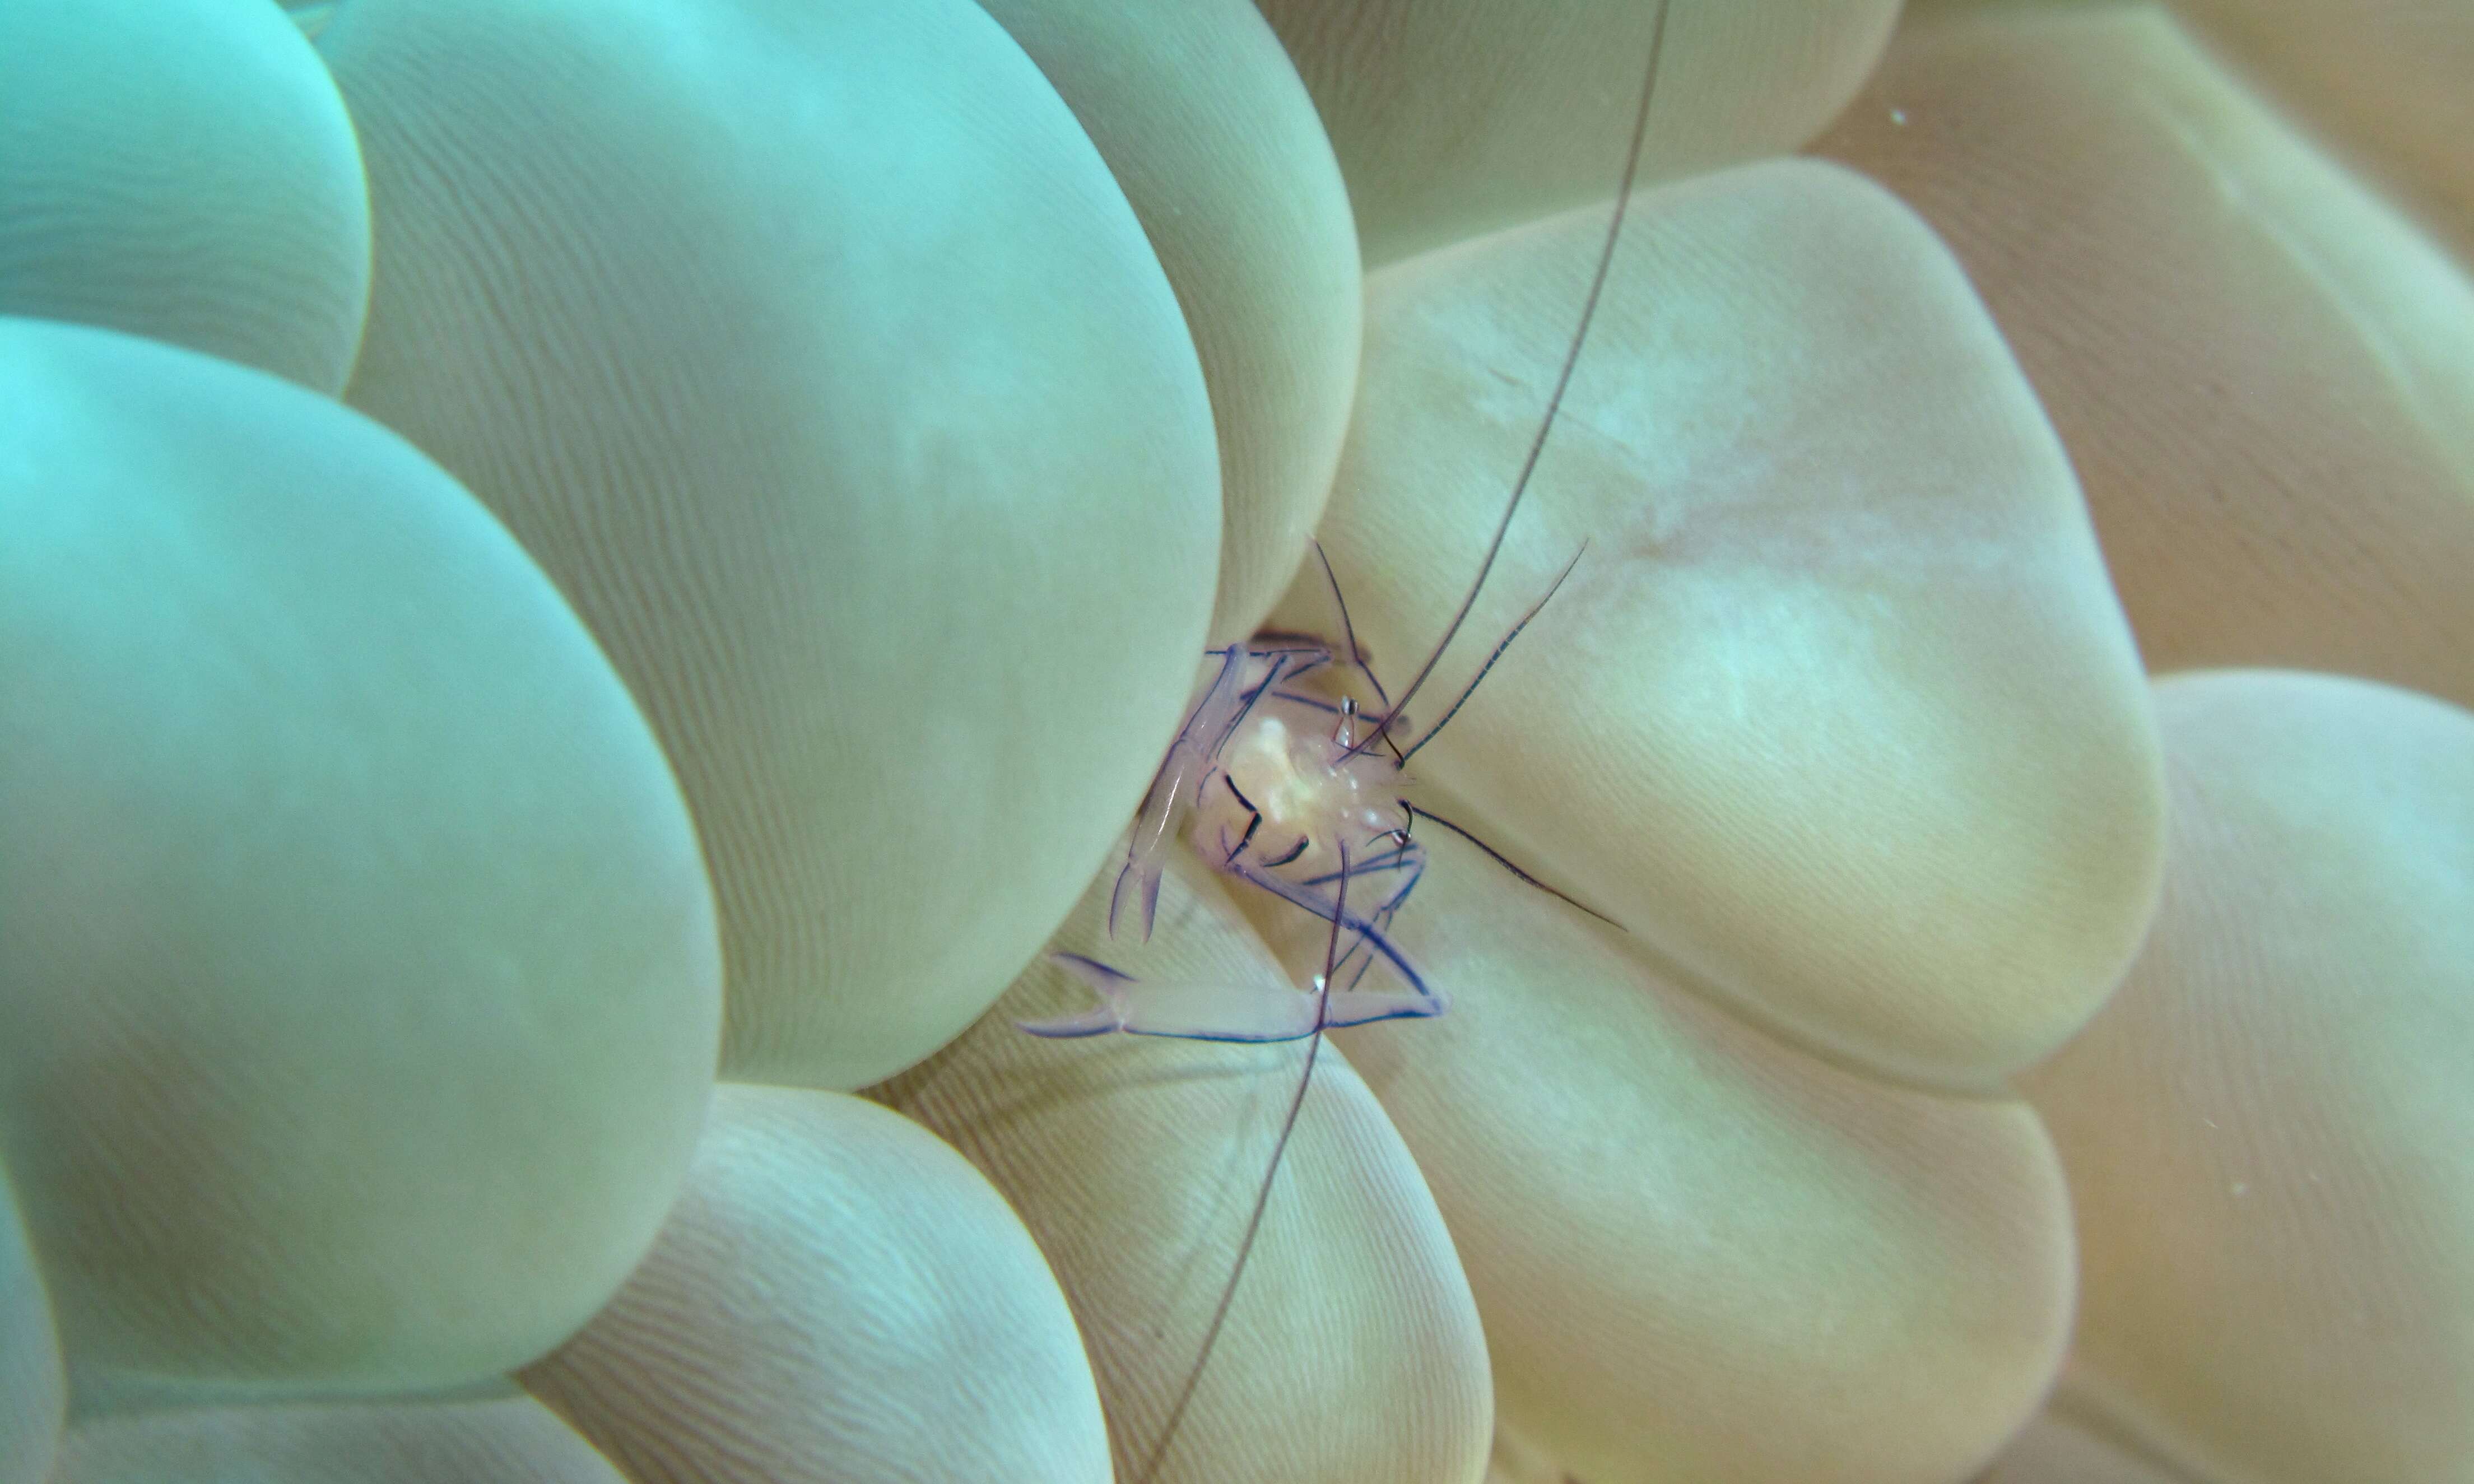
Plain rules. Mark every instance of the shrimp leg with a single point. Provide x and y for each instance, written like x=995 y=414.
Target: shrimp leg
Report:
x=1216 y=1011
x=1412 y=860
x=1186 y=768
x=1332 y=910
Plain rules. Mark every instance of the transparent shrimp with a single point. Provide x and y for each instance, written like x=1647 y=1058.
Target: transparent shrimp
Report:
x=1298 y=788
x=1274 y=785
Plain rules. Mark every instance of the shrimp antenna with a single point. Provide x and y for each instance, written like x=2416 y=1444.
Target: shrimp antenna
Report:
x=1263 y=1195
x=1500 y=859
x=1357 y=656
x=1348 y=630
x=1536 y=608
x=1563 y=381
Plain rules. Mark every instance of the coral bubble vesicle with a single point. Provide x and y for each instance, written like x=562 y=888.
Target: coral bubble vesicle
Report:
x=826 y=368
x=32 y=1390
x=360 y=983
x=183 y=170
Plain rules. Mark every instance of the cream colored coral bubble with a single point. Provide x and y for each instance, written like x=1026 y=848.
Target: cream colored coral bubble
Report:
x=838 y=1297
x=2386 y=79
x=1454 y=118
x=2060 y=1450
x=359 y=986
x=1702 y=1256
x=32 y=1393
x=371 y=1443
x=1837 y=713
x=814 y=352
x=183 y=170
x=2266 y=1132
x=1203 y=121
x=2260 y=367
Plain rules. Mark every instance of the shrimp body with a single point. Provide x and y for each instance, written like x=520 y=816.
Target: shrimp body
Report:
x=1288 y=789
x=1266 y=783
x=1282 y=779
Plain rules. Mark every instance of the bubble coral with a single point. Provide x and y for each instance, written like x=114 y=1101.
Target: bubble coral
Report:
x=887 y=403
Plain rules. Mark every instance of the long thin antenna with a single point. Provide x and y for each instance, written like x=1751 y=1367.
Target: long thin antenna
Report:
x=1536 y=608
x=1348 y=630
x=1504 y=860
x=1563 y=381
x=1262 y=1195
x=1356 y=656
